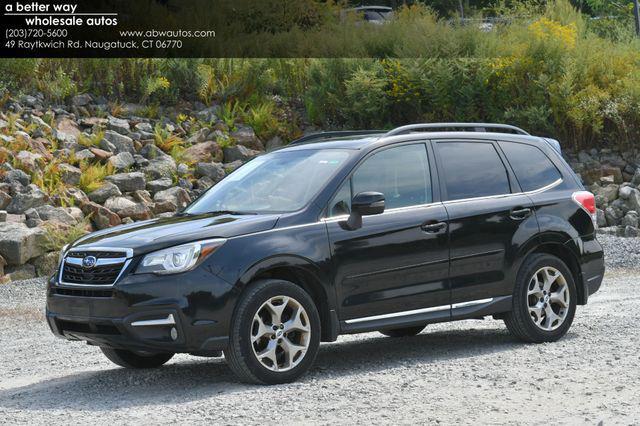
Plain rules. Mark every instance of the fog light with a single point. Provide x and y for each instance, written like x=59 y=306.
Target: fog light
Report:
x=174 y=333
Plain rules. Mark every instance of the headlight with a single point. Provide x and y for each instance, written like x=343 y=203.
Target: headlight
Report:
x=62 y=253
x=179 y=258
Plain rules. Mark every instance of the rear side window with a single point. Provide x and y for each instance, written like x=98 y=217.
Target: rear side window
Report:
x=472 y=169
x=532 y=167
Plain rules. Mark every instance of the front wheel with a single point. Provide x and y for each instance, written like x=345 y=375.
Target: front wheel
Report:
x=275 y=333
x=129 y=359
x=544 y=300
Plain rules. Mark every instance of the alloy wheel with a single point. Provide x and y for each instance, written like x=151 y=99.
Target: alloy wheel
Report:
x=280 y=333
x=548 y=298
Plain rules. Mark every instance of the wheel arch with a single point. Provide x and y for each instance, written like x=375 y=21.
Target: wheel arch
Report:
x=305 y=274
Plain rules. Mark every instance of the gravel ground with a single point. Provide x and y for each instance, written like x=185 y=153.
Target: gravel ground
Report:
x=464 y=372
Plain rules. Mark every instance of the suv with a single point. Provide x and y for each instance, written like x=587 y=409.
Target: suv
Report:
x=359 y=231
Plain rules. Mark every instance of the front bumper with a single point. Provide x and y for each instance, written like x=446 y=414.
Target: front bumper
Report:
x=187 y=312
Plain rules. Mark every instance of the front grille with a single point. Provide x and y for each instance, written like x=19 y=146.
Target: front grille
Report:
x=98 y=254
x=81 y=292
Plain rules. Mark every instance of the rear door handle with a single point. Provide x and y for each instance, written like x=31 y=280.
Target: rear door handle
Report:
x=433 y=228
x=518 y=213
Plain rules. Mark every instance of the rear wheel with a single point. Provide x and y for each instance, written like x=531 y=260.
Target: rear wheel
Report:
x=129 y=359
x=544 y=300
x=403 y=332
x=275 y=333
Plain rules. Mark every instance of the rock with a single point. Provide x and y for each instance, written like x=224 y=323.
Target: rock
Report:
x=630 y=219
x=118 y=125
x=128 y=182
x=5 y=200
x=633 y=202
x=17 y=175
x=609 y=192
x=635 y=180
x=18 y=243
x=143 y=197
x=117 y=204
x=163 y=207
x=23 y=201
x=101 y=216
x=46 y=264
x=69 y=128
x=3 y=215
x=28 y=159
x=204 y=152
x=55 y=214
x=21 y=272
x=238 y=152
x=122 y=161
x=3 y=263
x=100 y=154
x=159 y=185
x=119 y=143
x=230 y=167
x=245 y=136
x=208 y=114
x=625 y=192
x=164 y=167
x=77 y=196
x=92 y=122
x=204 y=183
x=144 y=127
x=601 y=220
x=199 y=136
x=630 y=231
x=182 y=169
x=85 y=154
x=75 y=213
x=136 y=212
x=179 y=197
x=274 y=143
x=70 y=174
x=214 y=171
x=612 y=171
x=40 y=145
x=81 y=99
x=613 y=215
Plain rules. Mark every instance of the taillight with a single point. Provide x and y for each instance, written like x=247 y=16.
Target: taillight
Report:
x=587 y=201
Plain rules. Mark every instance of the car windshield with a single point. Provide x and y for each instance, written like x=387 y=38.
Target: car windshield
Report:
x=279 y=182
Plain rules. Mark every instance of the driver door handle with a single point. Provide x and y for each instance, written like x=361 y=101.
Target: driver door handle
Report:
x=519 y=213
x=433 y=227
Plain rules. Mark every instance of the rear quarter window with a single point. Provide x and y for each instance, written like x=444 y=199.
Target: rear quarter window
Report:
x=532 y=167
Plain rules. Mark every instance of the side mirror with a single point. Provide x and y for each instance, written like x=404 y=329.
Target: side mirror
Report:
x=364 y=204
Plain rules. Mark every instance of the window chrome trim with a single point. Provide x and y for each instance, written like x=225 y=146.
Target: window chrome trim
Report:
x=420 y=311
x=389 y=211
x=497 y=196
x=127 y=260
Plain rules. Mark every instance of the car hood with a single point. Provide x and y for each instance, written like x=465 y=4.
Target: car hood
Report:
x=155 y=234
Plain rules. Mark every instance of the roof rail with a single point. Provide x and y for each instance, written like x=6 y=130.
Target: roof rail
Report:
x=334 y=134
x=477 y=127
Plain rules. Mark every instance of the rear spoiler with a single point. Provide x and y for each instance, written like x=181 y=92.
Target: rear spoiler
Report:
x=554 y=144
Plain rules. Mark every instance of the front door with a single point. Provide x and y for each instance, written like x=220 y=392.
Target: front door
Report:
x=397 y=262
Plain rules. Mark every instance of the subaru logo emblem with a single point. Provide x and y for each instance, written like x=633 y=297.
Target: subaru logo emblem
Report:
x=89 y=261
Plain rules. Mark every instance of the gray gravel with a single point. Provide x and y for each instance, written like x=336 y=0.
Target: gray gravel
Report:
x=464 y=372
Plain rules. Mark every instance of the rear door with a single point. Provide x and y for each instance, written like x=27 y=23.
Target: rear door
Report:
x=397 y=261
x=489 y=219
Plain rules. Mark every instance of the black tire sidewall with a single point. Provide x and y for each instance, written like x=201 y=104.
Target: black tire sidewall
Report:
x=521 y=300
x=245 y=317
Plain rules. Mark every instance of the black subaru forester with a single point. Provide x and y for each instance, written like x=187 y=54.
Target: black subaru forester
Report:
x=342 y=232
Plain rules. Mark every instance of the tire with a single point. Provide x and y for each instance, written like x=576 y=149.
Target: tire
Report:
x=536 y=304
x=128 y=359
x=252 y=333
x=403 y=332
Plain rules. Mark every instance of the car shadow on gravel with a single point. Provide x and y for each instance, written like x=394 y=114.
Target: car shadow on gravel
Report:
x=200 y=378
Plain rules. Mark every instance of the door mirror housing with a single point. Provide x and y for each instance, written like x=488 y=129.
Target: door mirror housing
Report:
x=364 y=204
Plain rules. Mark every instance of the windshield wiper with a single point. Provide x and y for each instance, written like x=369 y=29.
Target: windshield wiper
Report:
x=232 y=212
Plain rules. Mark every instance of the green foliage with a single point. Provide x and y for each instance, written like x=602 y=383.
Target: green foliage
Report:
x=166 y=140
x=57 y=236
x=93 y=175
x=262 y=118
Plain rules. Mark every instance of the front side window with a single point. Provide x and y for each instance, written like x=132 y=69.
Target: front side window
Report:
x=532 y=167
x=278 y=182
x=472 y=169
x=400 y=173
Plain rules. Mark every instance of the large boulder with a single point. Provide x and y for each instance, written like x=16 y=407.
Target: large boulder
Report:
x=55 y=214
x=101 y=216
x=116 y=204
x=245 y=136
x=214 y=171
x=238 y=153
x=23 y=201
x=164 y=167
x=633 y=201
x=137 y=211
x=157 y=185
x=18 y=243
x=68 y=127
x=177 y=196
x=46 y=264
x=82 y=99
x=117 y=143
x=17 y=175
x=203 y=152
x=5 y=200
x=128 y=182
x=28 y=159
